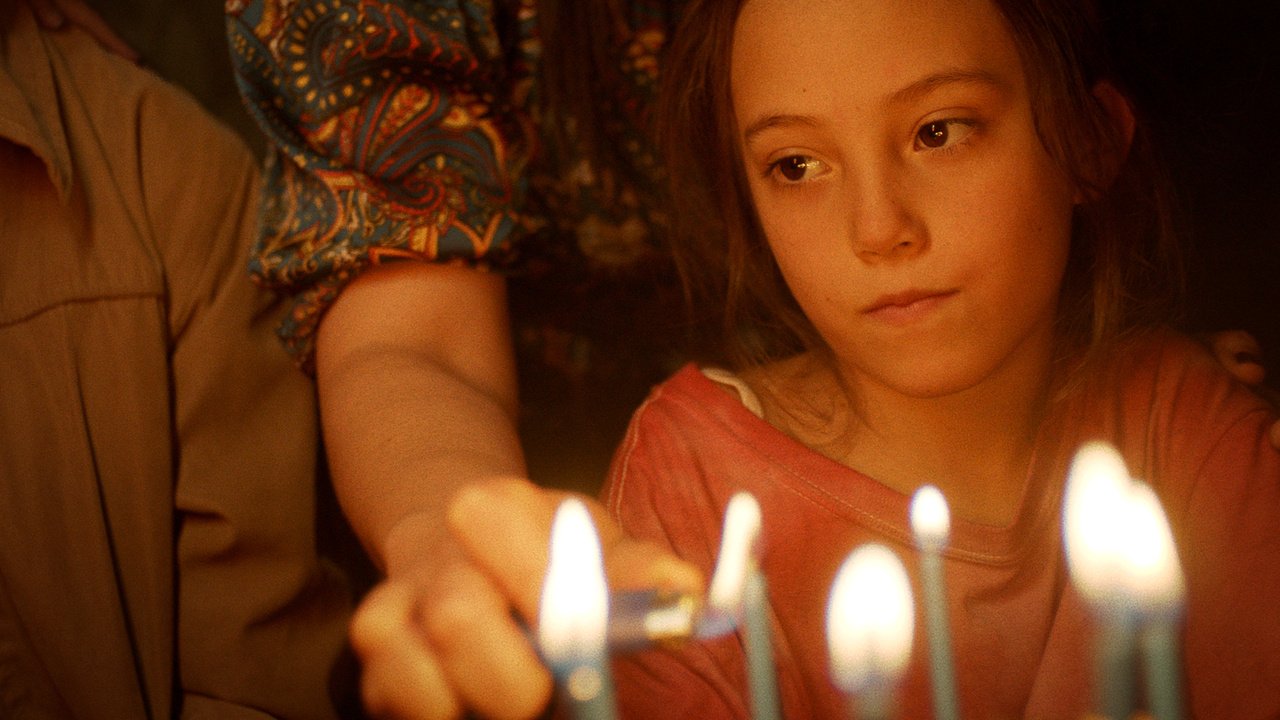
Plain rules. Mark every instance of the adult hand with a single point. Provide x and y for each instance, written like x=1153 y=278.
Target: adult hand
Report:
x=1241 y=354
x=56 y=14
x=450 y=633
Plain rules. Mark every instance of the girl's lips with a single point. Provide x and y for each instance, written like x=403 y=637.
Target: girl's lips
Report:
x=906 y=307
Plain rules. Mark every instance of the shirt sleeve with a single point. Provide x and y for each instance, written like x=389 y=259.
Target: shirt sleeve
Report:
x=400 y=130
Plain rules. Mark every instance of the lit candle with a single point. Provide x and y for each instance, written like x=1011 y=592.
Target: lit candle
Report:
x=931 y=523
x=870 y=622
x=573 y=616
x=739 y=540
x=1155 y=578
x=738 y=596
x=1094 y=520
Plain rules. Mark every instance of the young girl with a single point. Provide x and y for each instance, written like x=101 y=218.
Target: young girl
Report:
x=941 y=253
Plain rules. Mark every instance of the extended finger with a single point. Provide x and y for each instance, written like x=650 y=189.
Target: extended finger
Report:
x=400 y=678
x=634 y=564
x=486 y=656
x=505 y=528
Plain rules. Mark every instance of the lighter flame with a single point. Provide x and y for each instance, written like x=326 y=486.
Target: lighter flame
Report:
x=930 y=517
x=738 y=547
x=870 y=620
x=573 y=616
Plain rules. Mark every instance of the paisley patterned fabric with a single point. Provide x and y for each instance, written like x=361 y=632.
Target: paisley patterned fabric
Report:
x=414 y=130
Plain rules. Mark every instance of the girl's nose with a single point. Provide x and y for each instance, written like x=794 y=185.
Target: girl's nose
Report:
x=882 y=225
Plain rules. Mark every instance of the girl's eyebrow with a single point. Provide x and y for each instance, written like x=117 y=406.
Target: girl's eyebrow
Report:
x=916 y=90
x=777 y=120
x=958 y=76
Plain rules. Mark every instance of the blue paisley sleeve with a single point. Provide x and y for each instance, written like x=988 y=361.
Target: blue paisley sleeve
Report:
x=400 y=130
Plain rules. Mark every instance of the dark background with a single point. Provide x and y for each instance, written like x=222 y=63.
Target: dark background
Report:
x=1206 y=76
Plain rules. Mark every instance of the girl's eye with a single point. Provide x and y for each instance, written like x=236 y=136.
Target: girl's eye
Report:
x=795 y=168
x=941 y=133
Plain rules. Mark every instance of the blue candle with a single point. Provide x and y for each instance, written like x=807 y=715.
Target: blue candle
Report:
x=1114 y=662
x=1160 y=642
x=1095 y=517
x=1158 y=594
x=739 y=597
x=931 y=524
x=760 y=669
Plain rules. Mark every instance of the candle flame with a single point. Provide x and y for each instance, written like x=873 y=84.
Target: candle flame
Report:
x=1120 y=550
x=1093 y=522
x=738 y=546
x=573 y=616
x=1154 y=573
x=870 y=620
x=930 y=517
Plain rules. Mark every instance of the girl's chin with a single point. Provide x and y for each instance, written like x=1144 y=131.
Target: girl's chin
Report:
x=926 y=381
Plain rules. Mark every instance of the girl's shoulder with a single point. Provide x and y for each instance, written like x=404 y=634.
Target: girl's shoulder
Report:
x=761 y=390
x=699 y=407
x=1170 y=362
x=1163 y=397
x=698 y=396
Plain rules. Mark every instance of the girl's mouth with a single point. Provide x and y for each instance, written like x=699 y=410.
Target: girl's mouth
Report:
x=908 y=306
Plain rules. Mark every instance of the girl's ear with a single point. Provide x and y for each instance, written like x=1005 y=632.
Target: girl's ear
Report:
x=1119 y=113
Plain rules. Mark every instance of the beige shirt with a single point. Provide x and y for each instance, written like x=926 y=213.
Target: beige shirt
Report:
x=157 y=449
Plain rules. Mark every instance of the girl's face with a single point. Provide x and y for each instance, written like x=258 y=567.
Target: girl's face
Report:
x=893 y=162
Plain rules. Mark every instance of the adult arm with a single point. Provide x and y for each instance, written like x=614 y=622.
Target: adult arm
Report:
x=401 y=132
x=418 y=404
x=418 y=399
x=413 y=388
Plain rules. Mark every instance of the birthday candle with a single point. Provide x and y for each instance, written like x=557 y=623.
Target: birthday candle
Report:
x=1155 y=579
x=738 y=595
x=1094 y=519
x=760 y=669
x=739 y=546
x=870 y=623
x=573 y=615
x=931 y=523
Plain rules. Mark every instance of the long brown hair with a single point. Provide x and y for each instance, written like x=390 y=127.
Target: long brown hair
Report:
x=1124 y=271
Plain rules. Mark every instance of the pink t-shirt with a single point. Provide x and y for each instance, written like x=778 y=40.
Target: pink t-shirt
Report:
x=1022 y=638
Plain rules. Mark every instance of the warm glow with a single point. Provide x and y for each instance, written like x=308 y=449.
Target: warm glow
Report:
x=738 y=547
x=930 y=518
x=1094 y=522
x=1119 y=545
x=870 y=620
x=1151 y=559
x=573 y=616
